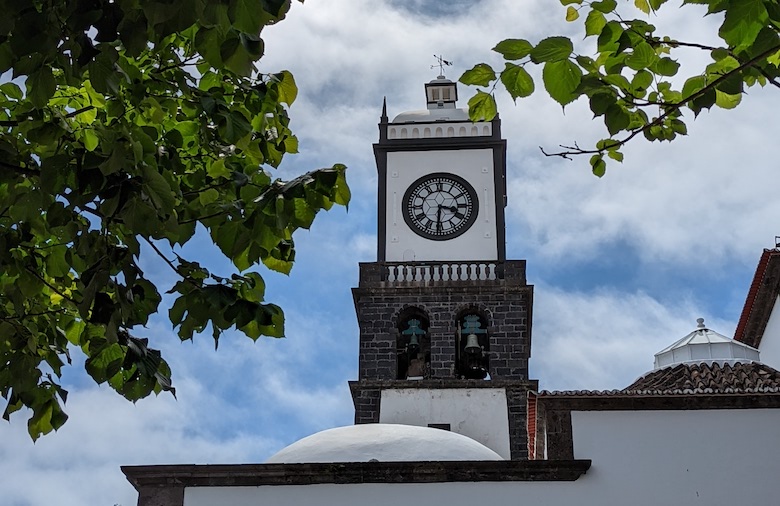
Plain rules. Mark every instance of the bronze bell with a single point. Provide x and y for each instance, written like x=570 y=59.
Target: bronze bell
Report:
x=472 y=345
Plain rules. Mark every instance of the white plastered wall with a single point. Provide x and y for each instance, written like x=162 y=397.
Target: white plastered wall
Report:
x=642 y=458
x=479 y=413
x=770 y=341
x=473 y=165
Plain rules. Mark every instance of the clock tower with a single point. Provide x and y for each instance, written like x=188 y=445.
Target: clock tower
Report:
x=442 y=186
x=445 y=319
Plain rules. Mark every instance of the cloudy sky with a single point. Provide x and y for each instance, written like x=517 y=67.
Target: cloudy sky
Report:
x=622 y=266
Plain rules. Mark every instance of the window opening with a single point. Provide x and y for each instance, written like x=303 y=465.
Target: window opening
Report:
x=413 y=347
x=472 y=347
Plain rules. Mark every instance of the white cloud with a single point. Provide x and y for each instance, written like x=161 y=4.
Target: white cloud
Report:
x=605 y=339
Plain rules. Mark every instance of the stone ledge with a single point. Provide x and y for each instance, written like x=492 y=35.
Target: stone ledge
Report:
x=602 y=401
x=253 y=475
x=443 y=383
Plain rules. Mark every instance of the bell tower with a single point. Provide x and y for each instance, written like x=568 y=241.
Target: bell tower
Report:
x=445 y=319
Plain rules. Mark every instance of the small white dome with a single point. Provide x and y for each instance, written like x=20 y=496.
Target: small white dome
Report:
x=705 y=345
x=383 y=443
x=432 y=115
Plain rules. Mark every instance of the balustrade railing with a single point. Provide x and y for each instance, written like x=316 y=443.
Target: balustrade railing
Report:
x=441 y=272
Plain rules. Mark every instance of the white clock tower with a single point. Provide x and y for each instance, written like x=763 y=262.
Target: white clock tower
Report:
x=442 y=183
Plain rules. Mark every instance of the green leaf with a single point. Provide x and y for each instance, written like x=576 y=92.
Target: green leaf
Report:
x=616 y=119
x=56 y=264
x=567 y=2
x=561 y=79
x=159 y=190
x=610 y=34
x=218 y=169
x=91 y=140
x=641 y=81
x=513 y=49
x=552 y=49
x=641 y=57
x=572 y=14
x=480 y=75
x=105 y=363
x=233 y=127
x=249 y=16
x=12 y=90
x=615 y=155
x=482 y=107
x=726 y=101
x=693 y=85
x=605 y=6
x=103 y=77
x=679 y=127
x=41 y=86
x=665 y=67
x=656 y=4
x=703 y=101
x=285 y=85
x=598 y=165
x=744 y=20
x=253 y=45
x=517 y=81
x=601 y=101
x=594 y=23
x=774 y=59
x=643 y=6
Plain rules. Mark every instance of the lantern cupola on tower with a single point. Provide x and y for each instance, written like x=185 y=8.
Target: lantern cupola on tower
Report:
x=441 y=93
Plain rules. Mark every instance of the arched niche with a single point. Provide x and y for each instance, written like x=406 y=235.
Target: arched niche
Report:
x=413 y=344
x=472 y=350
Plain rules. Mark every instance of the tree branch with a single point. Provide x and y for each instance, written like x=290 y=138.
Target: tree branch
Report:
x=29 y=315
x=192 y=220
x=678 y=43
x=161 y=255
x=669 y=109
x=170 y=264
x=769 y=78
x=79 y=111
x=56 y=290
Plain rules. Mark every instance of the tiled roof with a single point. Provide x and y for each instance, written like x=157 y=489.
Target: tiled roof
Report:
x=760 y=299
x=693 y=379
x=708 y=378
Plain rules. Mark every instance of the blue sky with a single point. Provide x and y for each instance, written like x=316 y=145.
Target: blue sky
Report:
x=622 y=266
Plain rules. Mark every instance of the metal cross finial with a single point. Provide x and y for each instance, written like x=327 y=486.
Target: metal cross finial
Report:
x=442 y=63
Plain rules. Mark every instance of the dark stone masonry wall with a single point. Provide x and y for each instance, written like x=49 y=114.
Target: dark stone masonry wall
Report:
x=507 y=303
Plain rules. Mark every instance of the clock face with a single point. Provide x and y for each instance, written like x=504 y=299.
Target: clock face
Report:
x=440 y=206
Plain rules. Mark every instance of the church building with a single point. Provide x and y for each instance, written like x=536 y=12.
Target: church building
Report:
x=445 y=412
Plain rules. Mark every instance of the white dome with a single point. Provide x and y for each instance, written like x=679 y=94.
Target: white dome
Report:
x=384 y=443
x=705 y=345
x=431 y=115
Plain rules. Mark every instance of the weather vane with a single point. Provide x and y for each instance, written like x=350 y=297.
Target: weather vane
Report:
x=442 y=63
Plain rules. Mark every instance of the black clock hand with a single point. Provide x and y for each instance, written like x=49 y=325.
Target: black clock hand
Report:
x=438 y=218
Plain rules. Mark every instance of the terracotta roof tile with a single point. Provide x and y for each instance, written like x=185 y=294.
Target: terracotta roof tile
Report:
x=693 y=379
x=709 y=378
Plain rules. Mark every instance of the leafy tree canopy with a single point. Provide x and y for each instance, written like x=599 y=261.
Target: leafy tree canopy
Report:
x=632 y=79
x=125 y=124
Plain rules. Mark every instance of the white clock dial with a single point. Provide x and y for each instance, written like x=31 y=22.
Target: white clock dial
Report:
x=440 y=206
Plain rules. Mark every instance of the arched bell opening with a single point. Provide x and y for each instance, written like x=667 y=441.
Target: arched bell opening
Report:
x=413 y=345
x=472 y=350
